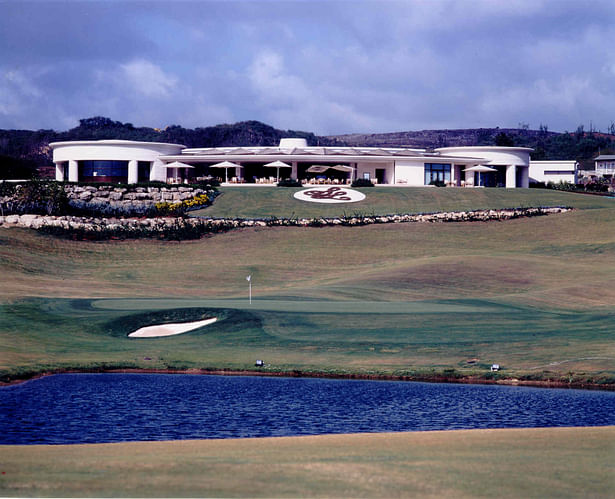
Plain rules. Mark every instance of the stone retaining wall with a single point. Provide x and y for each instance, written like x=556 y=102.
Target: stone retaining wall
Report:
x=123 y=198
x=208 y=225
x=108 y=199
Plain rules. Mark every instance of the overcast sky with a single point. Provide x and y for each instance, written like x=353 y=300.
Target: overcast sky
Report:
x=327 y=67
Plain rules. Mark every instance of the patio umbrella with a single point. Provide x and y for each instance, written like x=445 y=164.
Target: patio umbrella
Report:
x=344 y=168
x=176 y=165
x=226 y=165
x=277 y=165
x=480 y=169
x=318 y=168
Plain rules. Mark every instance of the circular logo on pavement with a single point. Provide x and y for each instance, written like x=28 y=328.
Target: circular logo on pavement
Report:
x=328 y=194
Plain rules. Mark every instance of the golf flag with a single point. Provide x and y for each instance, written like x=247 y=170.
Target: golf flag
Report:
x=249 y=278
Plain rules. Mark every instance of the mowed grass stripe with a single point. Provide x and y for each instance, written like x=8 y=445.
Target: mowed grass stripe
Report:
x=543 y=462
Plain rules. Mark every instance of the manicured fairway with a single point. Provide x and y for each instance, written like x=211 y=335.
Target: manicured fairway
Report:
x=554 y=462
x=420 y=338
x=534 y=295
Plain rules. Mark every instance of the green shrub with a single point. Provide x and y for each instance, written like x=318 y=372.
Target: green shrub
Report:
x=35 y=197
x=598 y=185
x=361 y=182
x=538 y=185
x=8 y=188
x=212 y=182
x=289 y=182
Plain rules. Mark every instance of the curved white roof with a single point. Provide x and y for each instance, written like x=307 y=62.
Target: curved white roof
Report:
x=112 y=142
x=492 y=155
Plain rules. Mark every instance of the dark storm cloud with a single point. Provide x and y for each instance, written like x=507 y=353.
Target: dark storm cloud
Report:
x=328 y=67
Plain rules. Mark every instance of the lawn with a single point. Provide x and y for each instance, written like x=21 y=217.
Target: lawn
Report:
x=254 y=202
x=553 y=462
x=534 y=295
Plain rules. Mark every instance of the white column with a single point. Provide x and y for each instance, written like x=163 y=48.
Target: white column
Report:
x=525 y=177
x=73 y=171
x=511 y=176
x=293 y=170
x=59 y=171
x=158 y=172
x=133 y=171
x=469 y=178
x=238 y=172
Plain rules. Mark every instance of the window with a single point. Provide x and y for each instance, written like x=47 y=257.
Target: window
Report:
x=143 y=171
x=101 y=168
x=437 y=172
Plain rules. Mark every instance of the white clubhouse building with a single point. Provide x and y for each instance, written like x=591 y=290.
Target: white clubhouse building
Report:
x=131 y=162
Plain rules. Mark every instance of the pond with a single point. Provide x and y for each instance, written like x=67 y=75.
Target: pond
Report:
x=89 y=408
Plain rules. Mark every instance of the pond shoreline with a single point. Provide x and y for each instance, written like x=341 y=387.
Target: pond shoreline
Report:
x=435 y=378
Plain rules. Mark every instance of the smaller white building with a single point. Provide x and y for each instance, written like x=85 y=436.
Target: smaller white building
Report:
x=605 y=165
x=509 y=165
x=554 y=171
x=122 y=161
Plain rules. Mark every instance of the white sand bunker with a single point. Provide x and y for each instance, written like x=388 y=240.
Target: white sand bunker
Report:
x=169 y=329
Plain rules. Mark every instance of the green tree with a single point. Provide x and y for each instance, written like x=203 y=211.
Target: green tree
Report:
x=501 y=139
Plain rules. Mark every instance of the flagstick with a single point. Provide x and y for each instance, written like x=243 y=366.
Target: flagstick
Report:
x=250 y=287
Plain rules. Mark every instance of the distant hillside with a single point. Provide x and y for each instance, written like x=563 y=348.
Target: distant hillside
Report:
x=441 y=138
x=581 y=146
x=23 y=151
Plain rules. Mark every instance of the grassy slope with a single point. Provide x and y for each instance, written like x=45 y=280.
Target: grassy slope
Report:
x=554 y=462
x=539 y=293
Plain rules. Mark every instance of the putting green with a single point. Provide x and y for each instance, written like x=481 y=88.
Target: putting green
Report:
x=454 y=338
x=305 y=306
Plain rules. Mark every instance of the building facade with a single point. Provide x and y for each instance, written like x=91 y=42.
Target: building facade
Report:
x=131 y=162
x=123 y=161
x=605 y=165
x=554 y=171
